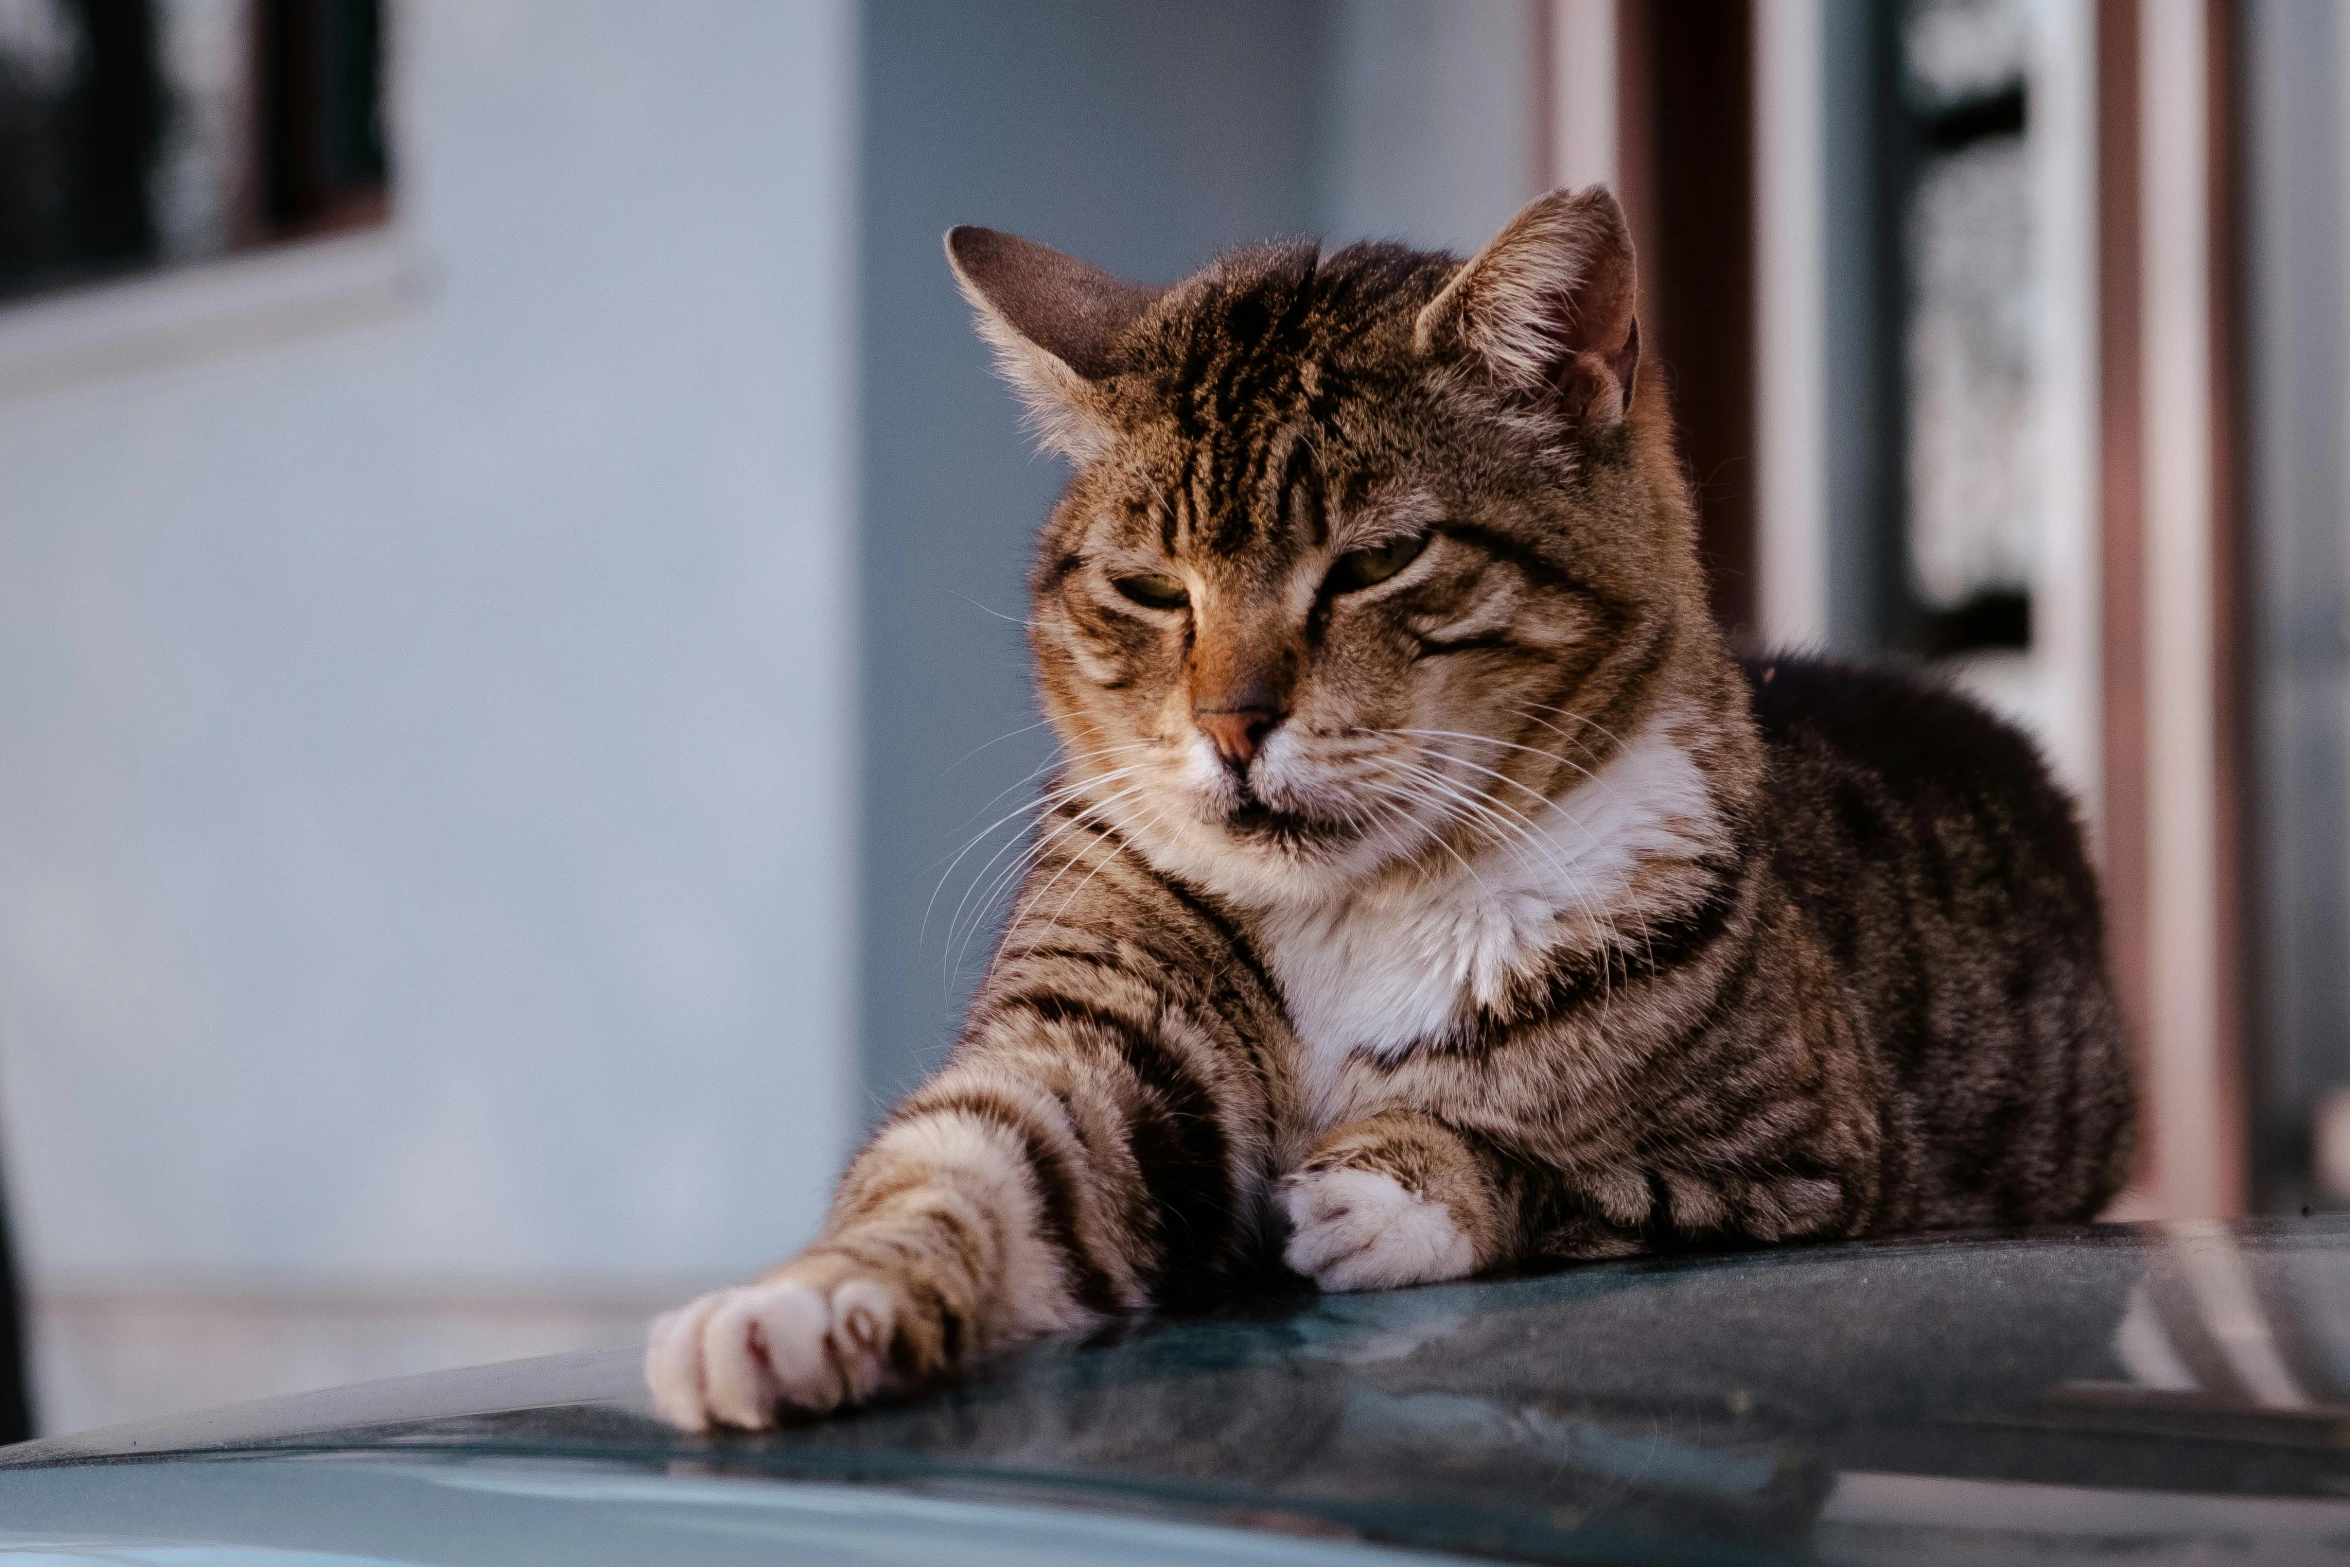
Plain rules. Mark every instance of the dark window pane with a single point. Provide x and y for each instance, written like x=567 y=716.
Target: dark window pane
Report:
x=138 y=133
x=322 y=73
x=80 y=116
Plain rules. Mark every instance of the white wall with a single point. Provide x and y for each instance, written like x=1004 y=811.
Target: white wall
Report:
x=426 y=745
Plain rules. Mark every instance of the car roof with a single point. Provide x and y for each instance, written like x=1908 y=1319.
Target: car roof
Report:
x=2077 y=1392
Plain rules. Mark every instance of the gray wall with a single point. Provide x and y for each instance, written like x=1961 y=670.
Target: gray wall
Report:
x=1144 y=136
x=2301 y=602
x=1427 y=120
x=1862 y=372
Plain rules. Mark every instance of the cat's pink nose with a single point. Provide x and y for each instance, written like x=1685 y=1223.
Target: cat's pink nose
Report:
x=1238 y=733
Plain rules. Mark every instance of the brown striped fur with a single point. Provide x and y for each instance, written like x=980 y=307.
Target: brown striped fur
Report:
x=1427 y=889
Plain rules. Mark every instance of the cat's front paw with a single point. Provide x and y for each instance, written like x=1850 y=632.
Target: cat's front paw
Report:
x=739 y=1356
x=1353 y=1229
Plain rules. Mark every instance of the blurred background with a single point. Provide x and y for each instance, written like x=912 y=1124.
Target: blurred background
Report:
x=510 y=562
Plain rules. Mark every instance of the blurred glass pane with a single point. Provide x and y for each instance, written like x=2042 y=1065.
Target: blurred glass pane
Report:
x=1972 y=335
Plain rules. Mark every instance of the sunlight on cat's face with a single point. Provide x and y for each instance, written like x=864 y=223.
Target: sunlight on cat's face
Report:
x=1355 y=568
x=1285 y=698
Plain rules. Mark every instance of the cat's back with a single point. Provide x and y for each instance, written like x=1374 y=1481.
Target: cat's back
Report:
x=1880 y=756
x=1932 y=850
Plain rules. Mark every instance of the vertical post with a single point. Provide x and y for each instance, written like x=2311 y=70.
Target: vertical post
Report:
x=1686 y=92
x=2193 y=1085
x=2229 y=587
x=1790 y=350
x=2121 y=484
x=1636 y=170
x=1579 y=92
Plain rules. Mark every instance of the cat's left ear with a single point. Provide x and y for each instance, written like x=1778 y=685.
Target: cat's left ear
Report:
x=1054 y=322
x=1546 y=308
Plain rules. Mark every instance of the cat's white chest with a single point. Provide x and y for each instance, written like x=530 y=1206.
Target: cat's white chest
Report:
x=1378 y=975
x=1386 y=970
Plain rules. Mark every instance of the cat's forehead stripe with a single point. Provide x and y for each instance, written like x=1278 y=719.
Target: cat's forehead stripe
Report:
x=1242 y=390
x=1243 y=497
x=1300 y=500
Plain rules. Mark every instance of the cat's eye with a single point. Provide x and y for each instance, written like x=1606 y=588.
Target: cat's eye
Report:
x=1361 y=568
x=1153 y=590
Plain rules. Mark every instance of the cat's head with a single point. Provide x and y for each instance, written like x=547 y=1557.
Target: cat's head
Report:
x=1368 y=554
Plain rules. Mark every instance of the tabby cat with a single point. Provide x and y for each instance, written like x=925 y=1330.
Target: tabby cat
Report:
x=1426 y=889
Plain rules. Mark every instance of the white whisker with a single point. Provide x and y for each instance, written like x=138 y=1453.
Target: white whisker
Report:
x=1028 y=856
x=1042 y=804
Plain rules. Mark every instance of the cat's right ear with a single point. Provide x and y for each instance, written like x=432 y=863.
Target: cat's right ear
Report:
x=1546 y=308
x=1054 y=322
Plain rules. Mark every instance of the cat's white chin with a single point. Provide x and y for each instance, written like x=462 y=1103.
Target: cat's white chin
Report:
x=1294 y=834
x=1297 y=851
x=1263 y=871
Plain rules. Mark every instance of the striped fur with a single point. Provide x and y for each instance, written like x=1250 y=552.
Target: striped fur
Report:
x=1527 y=923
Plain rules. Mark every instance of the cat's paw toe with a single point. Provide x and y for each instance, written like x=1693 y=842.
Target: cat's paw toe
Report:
x=738 y=1356
x=1362 y=1230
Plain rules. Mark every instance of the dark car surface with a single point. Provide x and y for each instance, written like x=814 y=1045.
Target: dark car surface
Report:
x=2116 y=1394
